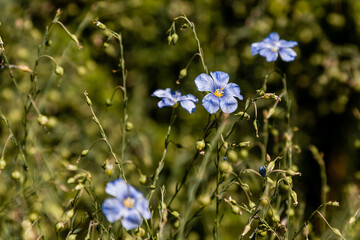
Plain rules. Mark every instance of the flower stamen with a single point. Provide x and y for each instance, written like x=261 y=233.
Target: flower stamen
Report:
x=219 y=92
x=129 y=202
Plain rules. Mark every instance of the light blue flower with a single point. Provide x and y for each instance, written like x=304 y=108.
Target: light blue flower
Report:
x=171 y=98
x=222 y=94
x=272 y=46
x=129 y=205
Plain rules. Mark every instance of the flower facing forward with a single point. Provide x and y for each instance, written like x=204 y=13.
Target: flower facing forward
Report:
x=272 y=46
x=171 y=98
x=129 y=205
x=222 y=94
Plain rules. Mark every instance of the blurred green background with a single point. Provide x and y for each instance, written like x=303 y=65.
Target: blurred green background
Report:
x=324 y=83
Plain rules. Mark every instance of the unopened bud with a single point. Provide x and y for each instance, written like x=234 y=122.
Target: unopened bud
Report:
x=183 y=73
x=200 y=145
x=175 y=214
x=129 y=126
x=175 y=38
x=72 y=237
x=235 y=209
x=59 y=70
x=85 y=152
x=59 y=226
x=72 y=167
x=2 y=163
x=294 y=196
x=108 y=102
x=169 y=38
x=42 y=120
x=262 y=171
x=143 y=179
x=100 y=25
x=246 y=230
x=88 y=100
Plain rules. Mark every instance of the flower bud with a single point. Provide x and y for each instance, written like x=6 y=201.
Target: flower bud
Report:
x=183 y=73
x=100 y=25
x=262 y=171
x=72 y=167
x=176 y=224
x=59 y=70
x=16 y=175
x=85 y=152
x=72 y=237
x=129 y=126
x=265 y=201
x=175 y=214
x=59 y=226
x=252 y=204
x=225 y=167
x=200 y=145
x=175 y=38
x=294 y=196
x=2 y=163
x=108 y=102
x=88 y=101
x=42 y=120
x=246 y=230
x=169 y=38
x=235 y=209
x=143 y=179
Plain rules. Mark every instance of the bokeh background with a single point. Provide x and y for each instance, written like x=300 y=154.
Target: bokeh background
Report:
x=323 y=81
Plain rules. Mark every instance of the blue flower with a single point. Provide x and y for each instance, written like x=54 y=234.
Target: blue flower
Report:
x=222 y=94
x=129 y=205
x=272 y=46
x=171 y=98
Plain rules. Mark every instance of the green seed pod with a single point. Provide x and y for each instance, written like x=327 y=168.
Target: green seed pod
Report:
x=244 y=153
x=106 y=44
x=129 y=126
x=252 y=204
x=16 y=175
x=175 y=38
x=204 y=200
x=232 y=156
x=59 y=70
x=275 y=218
x=183 y=73
x=52 y=123
x=2 y=163
x=176 y=224
x=225 y=167
x=88 y=101
x=42 y=120
x=294 y=196
x=48 y=43
x=265 y=201
x=152 y=187
x=200 y=145
x=33 y=216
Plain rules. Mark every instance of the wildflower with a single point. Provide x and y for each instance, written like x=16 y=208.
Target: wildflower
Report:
x=129 y=205
x=172 y=98
x=222 y=94
x=272 y=46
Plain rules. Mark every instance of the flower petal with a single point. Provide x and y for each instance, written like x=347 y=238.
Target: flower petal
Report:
x=133 y=193
x=112 y=209
x=270 y=55
x=220 y=78
x=287 y=44
x=117 y=188
x=165 y=102
x=188 y=105
x=211 y=103
x=287 y=54
x=162 y=93
x=142 y=206
x=189 y=97
x=274 y=36
x=256 y=47
x=130 y=219
x=204 y=82
x=228 y=104
x=232 y=89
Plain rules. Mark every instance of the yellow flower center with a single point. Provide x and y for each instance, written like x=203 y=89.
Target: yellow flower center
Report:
x=219 y=92
x=129 y=202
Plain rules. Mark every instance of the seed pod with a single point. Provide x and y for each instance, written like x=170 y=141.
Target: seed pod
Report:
x=200 y=145
x=59 y=70
x=108 y=102
x=183 y=73
x=85 y=152
x=42 y=120
x=129 y=126
x=2 y=163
